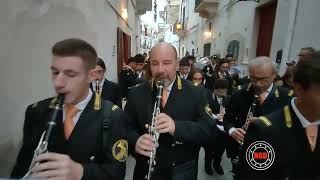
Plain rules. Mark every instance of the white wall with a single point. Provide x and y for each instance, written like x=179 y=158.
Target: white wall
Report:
x=241 y=22
x=307 y=27
x=304 y=32
x=280 y=27
x=233 y=22
x=28 y=31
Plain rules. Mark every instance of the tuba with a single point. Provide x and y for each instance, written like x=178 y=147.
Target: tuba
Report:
x=152 y=129
x=97 y=100
x=45 y=137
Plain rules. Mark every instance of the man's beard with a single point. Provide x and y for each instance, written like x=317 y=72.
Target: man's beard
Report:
x=166 y=81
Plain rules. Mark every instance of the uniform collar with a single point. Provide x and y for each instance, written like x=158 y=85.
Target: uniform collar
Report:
x=170 y=85
x=304 y=122
x=82 y=104
x=100 y=83
x=270 y=88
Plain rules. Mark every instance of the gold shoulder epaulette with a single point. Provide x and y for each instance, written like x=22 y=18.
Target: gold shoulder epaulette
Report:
x=276 y=93
x=179 y=84
x=265 y=121
x=287 y=116
x=53 y=102
x=114 y=107
x=290 y=93
x=34 y=105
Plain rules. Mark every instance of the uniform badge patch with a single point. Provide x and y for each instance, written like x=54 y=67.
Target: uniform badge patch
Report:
x=120 y=150
x=114 y=107
x=209 y=111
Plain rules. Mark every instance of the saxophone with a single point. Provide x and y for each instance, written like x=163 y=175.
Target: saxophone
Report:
x=97 y=100
x=45 y=137
x=152 y=129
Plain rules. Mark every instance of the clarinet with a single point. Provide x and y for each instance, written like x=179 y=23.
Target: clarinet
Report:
x=45 y=137
x=152 y=129
x=221 y=107
x=251 y=111
x=97 y=101
x=250 y=114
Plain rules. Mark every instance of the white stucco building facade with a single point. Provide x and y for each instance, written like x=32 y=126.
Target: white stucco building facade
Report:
x=28 y=30
x=238 y=27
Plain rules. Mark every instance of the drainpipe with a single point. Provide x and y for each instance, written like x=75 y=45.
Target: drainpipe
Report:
x=291 y=26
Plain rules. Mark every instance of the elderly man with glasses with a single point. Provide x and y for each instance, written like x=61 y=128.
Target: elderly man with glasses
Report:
x=260 y=92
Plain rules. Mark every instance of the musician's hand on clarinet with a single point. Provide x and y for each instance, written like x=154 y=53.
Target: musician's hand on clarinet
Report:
x=144 y=145
x=222 y=111
x=57 y=166
x=165 y=124
x=220 y=117
x=238 y=135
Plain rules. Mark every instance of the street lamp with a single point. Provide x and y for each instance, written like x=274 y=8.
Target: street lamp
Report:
x=179 y=26
x=208 y=34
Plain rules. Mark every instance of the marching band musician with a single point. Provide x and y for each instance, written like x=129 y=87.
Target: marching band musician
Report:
x=196 y=76
x=129 y=75
x=209 y=70
x=80 y=147
x=109 y=90
x=184 y=123
x=218 y=99
x=292 y=131
x=184 y=68
x=262 y=72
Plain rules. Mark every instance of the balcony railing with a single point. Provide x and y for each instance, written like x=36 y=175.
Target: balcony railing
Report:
x=206 y=8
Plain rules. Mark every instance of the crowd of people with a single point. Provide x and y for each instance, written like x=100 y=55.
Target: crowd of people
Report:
x=102 y=122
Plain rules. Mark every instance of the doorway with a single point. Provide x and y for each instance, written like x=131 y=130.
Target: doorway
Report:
x=267 y=18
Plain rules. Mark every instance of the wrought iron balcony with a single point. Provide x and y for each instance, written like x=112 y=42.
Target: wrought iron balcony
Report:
x=206 y=8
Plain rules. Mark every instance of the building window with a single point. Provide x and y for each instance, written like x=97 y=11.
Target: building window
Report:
x=206 y=49
x=182 y=51
x=233 y=48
